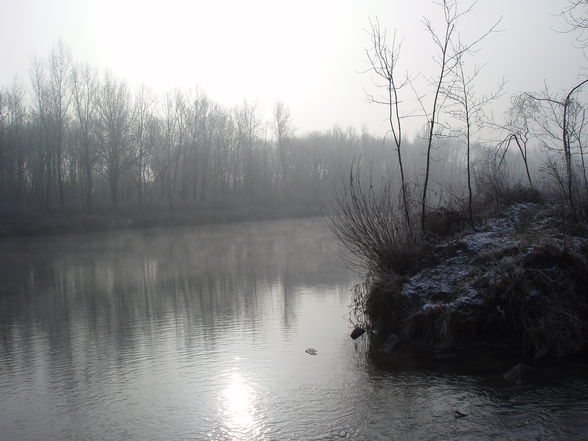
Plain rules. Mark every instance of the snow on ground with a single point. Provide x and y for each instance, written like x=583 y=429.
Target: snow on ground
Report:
x=449 y=281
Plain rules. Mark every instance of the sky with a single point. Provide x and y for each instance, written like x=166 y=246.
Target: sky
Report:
x=310 y=54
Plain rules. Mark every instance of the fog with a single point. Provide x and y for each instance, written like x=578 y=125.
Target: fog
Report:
x=310 y=55
x=225 y=108
x=377 y=124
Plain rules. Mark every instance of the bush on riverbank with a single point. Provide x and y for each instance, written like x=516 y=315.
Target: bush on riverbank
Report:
x=519 y=282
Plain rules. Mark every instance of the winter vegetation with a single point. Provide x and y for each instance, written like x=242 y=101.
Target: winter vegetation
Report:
x=492 y=253
x=80 y=150
x=473 y=231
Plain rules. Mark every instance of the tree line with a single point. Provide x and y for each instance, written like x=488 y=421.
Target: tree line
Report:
x=73 y=139
x=77 y=140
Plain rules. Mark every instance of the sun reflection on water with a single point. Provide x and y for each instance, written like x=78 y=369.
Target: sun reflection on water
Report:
x=238 y=405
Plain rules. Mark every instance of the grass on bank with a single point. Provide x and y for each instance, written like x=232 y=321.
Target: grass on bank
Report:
x=535 y=301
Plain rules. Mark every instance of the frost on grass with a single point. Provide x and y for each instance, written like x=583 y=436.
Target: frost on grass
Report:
x=450 y=278
x=519 y=280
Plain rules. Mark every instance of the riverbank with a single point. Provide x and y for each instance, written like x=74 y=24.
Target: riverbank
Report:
x=38 y=223
x=517 y=286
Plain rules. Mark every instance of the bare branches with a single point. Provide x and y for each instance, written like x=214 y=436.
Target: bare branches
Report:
x=383 y=60
x=368 y=222
x=468 y=109
x=450 y=50
x=450 y=53
x=575 y=15
x=282 y=132
x=566 y=115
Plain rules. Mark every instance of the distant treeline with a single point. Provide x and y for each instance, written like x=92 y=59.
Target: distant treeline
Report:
x=76 y=140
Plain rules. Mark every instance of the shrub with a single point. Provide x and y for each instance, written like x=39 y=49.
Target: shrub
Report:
x=368 y=220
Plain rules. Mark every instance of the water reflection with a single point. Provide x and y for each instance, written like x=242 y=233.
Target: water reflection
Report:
x=237 y=402
x=126 y=285
x=200 y=333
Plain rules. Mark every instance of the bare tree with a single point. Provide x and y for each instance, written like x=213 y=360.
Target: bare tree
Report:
x=142 y=131
x=576 y=16
x=469 y=111
x=248 y=128
x=555 y=114
x=12 y=142
x=282 y=133
x=41 y=109
x=85 y=91
x=174 y=138
x=447 y=58
x=221 y=138
x=518 y=128
x=580 y=140
x=572 y=109
x=383 y=60
x=60 y=98
x=200 y=134
x=113 y=128
x=88 y=138
x=3 y=142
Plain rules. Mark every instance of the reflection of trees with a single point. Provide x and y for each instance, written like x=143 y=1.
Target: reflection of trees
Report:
x=114 y=294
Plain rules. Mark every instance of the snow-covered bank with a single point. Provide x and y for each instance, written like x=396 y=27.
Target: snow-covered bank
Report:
x=519 y=282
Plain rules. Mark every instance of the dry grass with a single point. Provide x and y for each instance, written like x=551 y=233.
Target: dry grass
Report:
x=531 y=297
x=369 y=221
x=544 y=301
x=537 y=303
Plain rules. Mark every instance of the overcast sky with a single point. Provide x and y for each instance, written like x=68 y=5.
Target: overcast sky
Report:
x=308 y=53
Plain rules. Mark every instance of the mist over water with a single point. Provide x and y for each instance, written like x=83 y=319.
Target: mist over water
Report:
x=150 y=335
x=241 y=331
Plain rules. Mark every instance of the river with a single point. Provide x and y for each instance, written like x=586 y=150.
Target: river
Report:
x=200 y=334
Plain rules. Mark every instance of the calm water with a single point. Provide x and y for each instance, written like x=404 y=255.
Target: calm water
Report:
x=199 y=333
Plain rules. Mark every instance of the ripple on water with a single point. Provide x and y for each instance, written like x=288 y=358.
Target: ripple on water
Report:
x=200 y=334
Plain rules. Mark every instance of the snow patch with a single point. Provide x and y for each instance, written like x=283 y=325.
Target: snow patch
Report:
x=448 y=283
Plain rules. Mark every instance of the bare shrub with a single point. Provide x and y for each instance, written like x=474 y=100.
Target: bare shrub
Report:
x=497 y=187
x=369 y=221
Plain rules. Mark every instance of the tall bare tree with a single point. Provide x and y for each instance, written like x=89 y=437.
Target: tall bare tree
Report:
x=142 y=131
x=85 y=89
x=114 y=123
x=518 y=128
x=199 y=132
x=560 y=118
x=12 y=142
x=41 y=108
x=449 y=52
x=468 y=110
x=282 y=133
x=383 y=60
x=248 y=127
x=60 y=99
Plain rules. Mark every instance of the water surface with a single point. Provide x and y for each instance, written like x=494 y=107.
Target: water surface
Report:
x=199 y=333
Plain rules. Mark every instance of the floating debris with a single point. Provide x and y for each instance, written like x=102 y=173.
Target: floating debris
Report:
x=459 y=414
x=357 y=332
